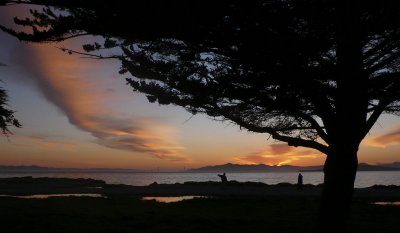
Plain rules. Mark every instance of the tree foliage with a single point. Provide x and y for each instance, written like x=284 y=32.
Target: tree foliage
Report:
x=269 y=66
x=7 y=117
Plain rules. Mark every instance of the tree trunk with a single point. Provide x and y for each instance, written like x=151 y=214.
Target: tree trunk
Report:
x=339 y=175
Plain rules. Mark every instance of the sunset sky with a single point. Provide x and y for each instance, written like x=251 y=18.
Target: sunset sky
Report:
x=79 y=112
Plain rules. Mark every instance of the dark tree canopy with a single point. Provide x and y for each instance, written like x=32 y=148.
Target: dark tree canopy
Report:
x=276 y=67
x=311 y=73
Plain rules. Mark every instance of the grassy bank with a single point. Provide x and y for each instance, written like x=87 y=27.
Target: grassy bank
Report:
x=228 y=214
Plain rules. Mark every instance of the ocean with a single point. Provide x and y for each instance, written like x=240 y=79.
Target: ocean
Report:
x=364 y=178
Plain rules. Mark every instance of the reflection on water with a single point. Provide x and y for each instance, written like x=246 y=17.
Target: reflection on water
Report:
x=43 y=196
x=387 y=203
x=171 y=199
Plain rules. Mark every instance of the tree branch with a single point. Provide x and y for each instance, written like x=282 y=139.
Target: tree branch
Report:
x=33 y=38
x=14 y=2
x=381 y=82
x=274 y=133
x=384 y=62
x=315 y=125
x=382 y=45
x=374 y=116
x=89 y=55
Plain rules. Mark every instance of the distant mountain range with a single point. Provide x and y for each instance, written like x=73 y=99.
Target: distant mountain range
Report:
x=229 y=167
x=392 y=165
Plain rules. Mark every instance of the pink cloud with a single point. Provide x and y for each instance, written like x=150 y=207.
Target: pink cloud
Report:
x=43 y=142
x=390 y=138
x=280 y=148
x=70 y=83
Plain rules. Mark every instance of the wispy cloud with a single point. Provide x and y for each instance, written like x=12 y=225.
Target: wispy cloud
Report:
x=43 y=142
x=279 y=149
x=390 y=138
x=278 y=154
x=72 y=84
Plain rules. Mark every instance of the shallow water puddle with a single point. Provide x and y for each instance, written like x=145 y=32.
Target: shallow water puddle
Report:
x=171 y=199
x=387 y=203
x=43 y=196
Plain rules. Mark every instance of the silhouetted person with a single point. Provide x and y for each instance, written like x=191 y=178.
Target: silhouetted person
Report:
x=300 y=181
x=223 y=178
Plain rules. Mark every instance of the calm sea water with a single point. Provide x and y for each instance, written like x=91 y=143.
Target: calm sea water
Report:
x=364 y=179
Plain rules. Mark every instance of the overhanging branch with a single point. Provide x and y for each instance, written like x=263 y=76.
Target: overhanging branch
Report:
x=384 y=62
x=292 y=141
x=374 y=116
x=315 y=125
x=89 y=55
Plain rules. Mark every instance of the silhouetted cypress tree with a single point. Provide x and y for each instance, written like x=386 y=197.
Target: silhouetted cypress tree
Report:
x=311 y=73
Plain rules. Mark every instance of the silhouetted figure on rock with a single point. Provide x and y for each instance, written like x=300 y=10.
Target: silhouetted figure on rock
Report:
x=300 y=181
x=223 y=178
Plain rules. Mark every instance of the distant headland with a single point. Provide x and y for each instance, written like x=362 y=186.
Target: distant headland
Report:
x=229 y=167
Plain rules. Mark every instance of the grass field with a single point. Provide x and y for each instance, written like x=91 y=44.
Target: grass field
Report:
x=228 y=214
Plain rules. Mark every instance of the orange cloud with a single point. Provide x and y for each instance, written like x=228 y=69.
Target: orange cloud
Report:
x=47 y=142
x=281 y=154
x=280 y=148
x=390 y=138
x=74 y=85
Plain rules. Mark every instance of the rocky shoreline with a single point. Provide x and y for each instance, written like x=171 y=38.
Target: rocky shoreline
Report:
x=33 y=186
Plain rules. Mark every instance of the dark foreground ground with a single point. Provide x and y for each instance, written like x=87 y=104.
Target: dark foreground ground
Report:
x=121 y=212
